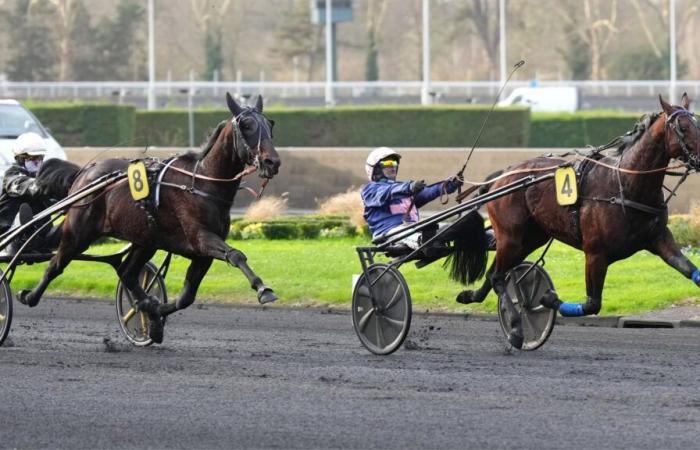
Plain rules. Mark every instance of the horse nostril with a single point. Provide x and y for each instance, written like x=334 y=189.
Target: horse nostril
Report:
x=271 y=163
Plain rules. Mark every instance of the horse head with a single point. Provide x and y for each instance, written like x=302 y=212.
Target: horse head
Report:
x=682 y=133
x=253 y=137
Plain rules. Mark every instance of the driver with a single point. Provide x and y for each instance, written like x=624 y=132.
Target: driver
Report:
x=388 y=203
x=21 y=193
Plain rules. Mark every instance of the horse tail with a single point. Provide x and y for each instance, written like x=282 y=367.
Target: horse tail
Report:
x=467 y=262
x=56 y=177
x=485 y=188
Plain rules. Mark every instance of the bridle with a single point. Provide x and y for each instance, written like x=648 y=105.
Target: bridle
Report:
x=692 y=161
x=264 y=132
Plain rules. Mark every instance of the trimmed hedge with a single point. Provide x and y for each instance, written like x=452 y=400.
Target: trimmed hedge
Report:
x=294 y=227
x=401 y=126
x=579 y=129
x=95 y=124
x=80 y=124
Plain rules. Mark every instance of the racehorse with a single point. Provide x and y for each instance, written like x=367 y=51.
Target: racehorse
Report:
x=191 y=217
x=621 y=210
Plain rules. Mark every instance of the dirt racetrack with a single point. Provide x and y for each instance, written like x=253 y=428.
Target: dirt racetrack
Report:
x=232 y=377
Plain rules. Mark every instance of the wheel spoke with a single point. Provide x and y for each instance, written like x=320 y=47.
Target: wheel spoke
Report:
x=129 y=315
x=528 y=321
x=380 y=333
x=535 y=285
x=395 y=322
x=144 y=324
x=394 y=298
x=363 y=290
x=362 y=323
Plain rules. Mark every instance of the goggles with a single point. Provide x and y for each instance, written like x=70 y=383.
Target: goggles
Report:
x=388 y=163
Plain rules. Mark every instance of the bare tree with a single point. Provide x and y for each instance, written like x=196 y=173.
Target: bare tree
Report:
x=482 y=15
x=658 y=11
x=594 y=22
x=209 y=16
x=66 y=13
x=376 y=10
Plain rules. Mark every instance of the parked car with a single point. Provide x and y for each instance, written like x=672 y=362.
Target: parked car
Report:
x=15 y=119
x=544 y=99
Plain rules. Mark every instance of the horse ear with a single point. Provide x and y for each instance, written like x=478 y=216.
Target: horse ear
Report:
x=232 y=105
x=685 y=100
x=668 y=109
x=259 y=103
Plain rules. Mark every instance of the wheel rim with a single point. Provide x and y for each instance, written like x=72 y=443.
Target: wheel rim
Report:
x=537 y=320
x=5 y=309
x=134 y=324
x=381 y=330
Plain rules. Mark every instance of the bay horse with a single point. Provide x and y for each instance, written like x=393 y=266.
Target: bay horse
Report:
x=191 y=218
x=620 y=210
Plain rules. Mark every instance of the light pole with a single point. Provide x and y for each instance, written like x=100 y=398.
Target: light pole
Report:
x=329 y=53
x=672 y=49
x=425 y=88
x=151 y=59
x=502 y=37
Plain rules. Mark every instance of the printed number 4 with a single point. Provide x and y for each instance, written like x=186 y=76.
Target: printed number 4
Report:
x=566 y=186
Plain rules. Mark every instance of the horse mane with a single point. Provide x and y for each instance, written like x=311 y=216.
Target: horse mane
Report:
x=212 y=139
x=621 y=143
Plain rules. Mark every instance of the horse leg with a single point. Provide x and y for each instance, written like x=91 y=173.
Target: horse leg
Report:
x=477 y=296
x=596 y=269
x=667 y=249
x=129 y=272
x=213 y=246
x=71 y=245
x=509 y=254
x=195 y=273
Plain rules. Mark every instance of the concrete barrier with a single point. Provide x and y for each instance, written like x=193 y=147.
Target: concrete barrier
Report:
x=310 y=175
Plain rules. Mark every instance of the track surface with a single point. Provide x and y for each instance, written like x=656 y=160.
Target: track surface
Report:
x=247 y=377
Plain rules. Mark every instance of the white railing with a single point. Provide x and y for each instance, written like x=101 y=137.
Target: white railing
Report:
x=409 y=91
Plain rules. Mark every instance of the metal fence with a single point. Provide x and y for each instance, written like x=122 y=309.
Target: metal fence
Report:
x=177 y=93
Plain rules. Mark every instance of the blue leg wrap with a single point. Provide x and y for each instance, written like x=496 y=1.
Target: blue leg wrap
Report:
x=695 y=276
x=571 y=309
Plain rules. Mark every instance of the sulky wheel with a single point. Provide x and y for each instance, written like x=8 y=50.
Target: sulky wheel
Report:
x=383 y=325
x=134 y=324
x=5 y=309
x=525 y=293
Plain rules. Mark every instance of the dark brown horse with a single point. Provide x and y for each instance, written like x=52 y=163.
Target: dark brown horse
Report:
x=191 y=218
x=620 y=211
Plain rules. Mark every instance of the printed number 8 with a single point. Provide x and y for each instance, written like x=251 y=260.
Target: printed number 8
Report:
x=138 y=181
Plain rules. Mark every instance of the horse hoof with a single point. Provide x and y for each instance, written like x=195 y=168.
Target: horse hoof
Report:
x=550 y=300
x=265 y=295
x=466 y=297
x=155 y=328
x=516 y=339
x=25 y=298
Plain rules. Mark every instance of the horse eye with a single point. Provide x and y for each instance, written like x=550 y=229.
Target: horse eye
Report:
x=272 y=124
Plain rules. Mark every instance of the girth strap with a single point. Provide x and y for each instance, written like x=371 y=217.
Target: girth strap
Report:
x=195 y=191
x=629 y=203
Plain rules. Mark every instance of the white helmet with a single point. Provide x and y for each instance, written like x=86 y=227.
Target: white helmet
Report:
x=29 y=144
x=377 y=155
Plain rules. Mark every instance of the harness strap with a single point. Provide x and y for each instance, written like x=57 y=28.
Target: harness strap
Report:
x=195 y=191
x=160 y=179
x=625 y=202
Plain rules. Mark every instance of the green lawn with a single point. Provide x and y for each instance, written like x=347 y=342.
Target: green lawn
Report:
x=317 y=272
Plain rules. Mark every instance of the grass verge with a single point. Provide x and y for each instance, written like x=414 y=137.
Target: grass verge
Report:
x=319 y=272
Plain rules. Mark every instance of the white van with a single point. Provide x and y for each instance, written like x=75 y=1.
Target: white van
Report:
x=15 y=119
x=544 y=99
